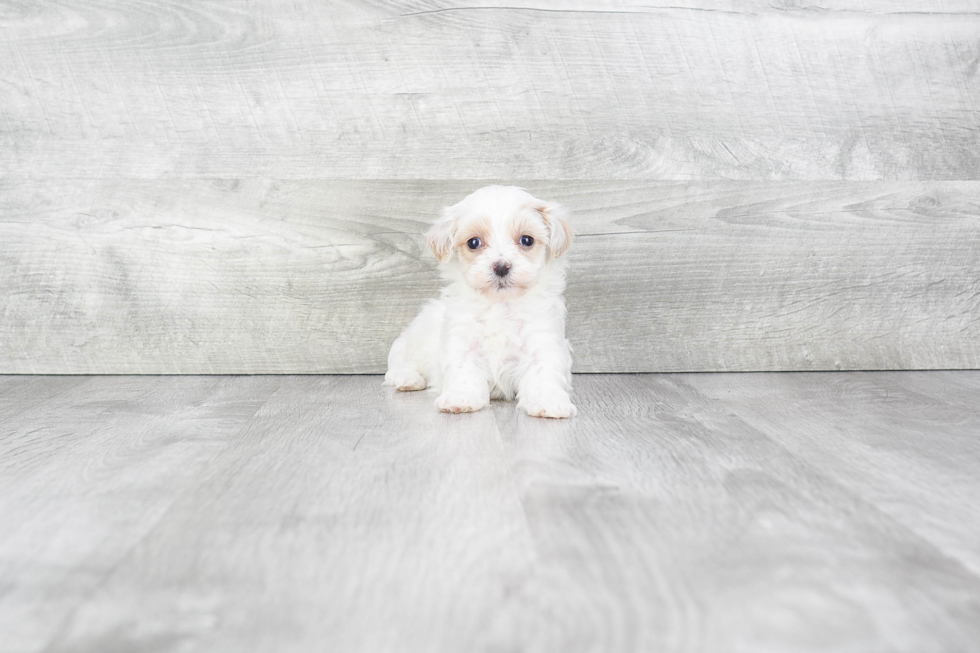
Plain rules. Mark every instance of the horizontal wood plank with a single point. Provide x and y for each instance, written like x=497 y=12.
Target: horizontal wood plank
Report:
x=463 y=90
x=184 y=276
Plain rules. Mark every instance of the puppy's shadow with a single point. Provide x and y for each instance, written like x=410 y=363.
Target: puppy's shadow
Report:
x=414 y=399
x=515 y=424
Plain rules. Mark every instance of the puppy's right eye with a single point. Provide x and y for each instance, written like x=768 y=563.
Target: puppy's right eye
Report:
x=474 y=243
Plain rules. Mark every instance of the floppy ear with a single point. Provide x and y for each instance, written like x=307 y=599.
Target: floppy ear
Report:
x=560 y=231
x=440 y=236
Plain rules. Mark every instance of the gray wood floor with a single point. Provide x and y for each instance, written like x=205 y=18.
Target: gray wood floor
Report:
x=738 y=512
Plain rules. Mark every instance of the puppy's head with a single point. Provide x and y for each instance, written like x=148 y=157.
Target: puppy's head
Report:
x=501 y=239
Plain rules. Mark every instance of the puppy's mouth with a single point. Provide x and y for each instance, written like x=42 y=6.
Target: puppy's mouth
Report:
x=506 y=286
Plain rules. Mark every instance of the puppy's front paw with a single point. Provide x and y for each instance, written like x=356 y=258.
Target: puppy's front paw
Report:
x=553 y=406
x=460 y=402
x=405 y=380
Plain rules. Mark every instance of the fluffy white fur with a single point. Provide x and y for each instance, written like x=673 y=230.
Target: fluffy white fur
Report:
x=492 y=336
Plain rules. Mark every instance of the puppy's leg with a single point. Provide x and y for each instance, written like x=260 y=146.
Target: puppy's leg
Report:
x=542 y=396
x=465 y=389
x=543 y=387
x=402 y=373
x=414 y=351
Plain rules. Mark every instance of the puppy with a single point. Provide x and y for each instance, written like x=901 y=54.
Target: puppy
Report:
x=498 y=329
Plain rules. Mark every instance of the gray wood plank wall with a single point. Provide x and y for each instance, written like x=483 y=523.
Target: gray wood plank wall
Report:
x=221 y=187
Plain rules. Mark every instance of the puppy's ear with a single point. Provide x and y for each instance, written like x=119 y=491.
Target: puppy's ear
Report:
x=440 y=236
x=560 y=232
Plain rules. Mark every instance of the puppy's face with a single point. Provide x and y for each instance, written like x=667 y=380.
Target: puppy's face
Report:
x=500 y=238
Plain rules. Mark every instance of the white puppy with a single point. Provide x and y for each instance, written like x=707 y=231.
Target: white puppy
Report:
x=498 y=329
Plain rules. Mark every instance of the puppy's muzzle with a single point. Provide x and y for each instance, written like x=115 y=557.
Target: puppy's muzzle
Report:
x=501 y=268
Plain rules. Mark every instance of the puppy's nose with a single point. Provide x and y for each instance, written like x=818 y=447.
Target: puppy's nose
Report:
x=501 y=268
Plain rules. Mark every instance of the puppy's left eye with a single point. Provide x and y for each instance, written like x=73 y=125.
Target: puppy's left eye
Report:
x=474 y=243
x=527 y=241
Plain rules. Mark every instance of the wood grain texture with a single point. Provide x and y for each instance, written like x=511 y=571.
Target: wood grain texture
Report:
x=19 y=394
x=720 y=537
x=345 y=517
x=238 y=187
x=714 y=513
x=425 y=89
x=88 y=472
x=203 y=276
x=877 y=435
